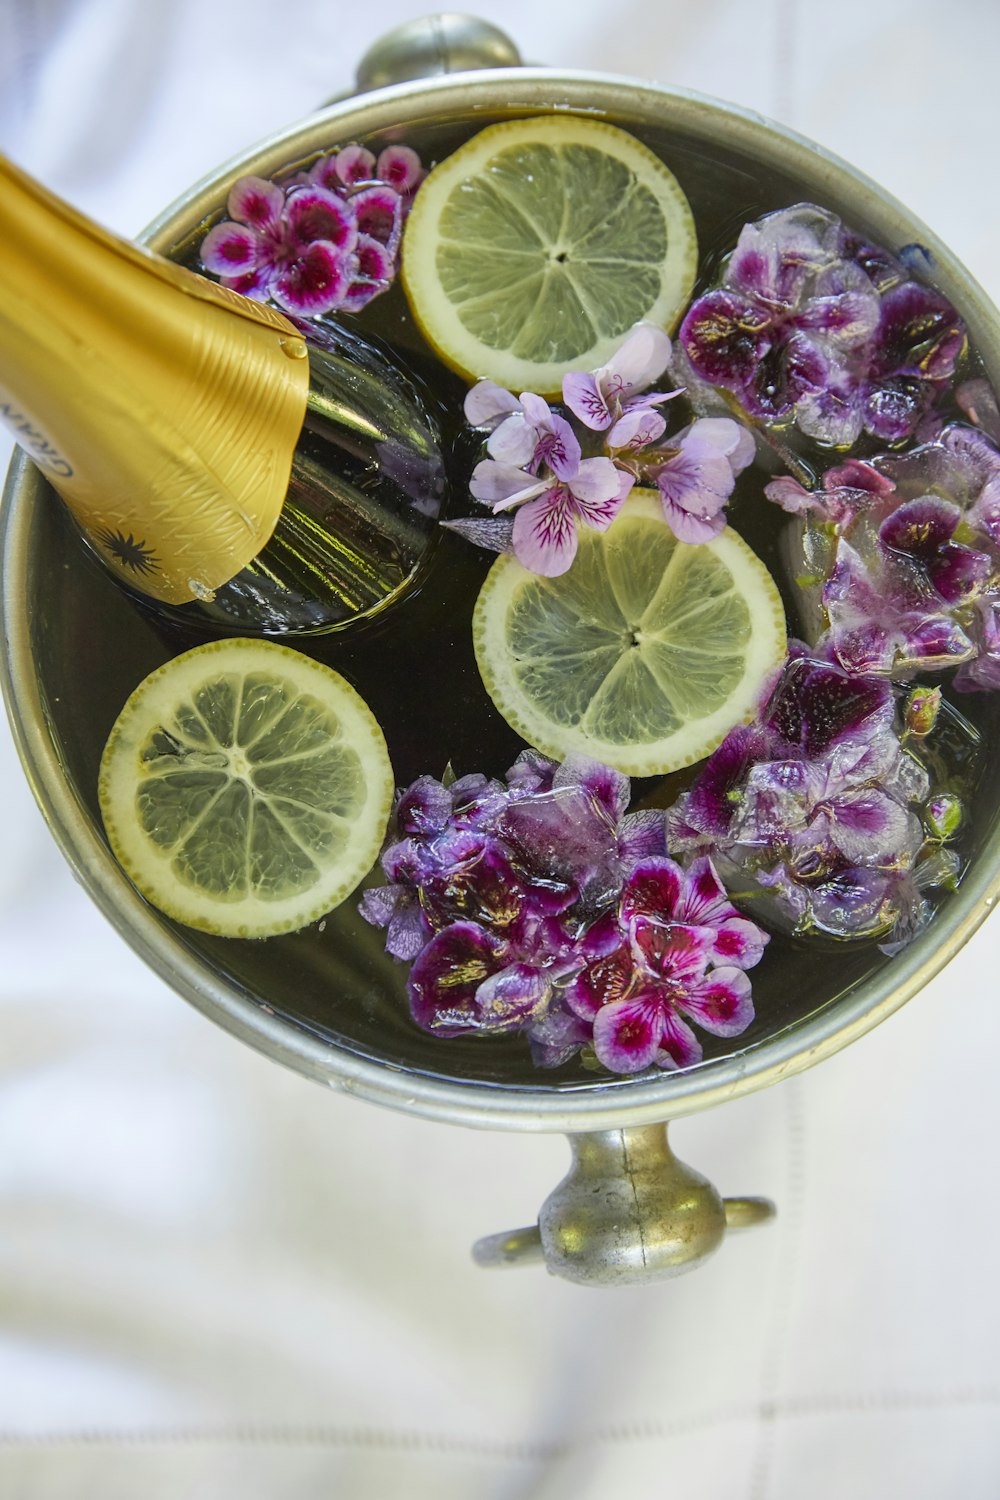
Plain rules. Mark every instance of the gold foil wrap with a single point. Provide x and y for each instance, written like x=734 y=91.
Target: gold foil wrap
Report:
x=163 y=408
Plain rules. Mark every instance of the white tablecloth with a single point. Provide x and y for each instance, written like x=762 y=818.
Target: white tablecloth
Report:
x=217 y=1279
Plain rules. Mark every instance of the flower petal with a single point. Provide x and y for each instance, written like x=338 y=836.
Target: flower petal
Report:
x=635 y=364
x=670 y=952
x=731 y=438
x=514 y=441
x=545 y=536
x=690 y=528
x=585 y=400
x=229 y=249
x=408 y=930
x=557 y=444
x=628 y=1034
x=602 y=983
x=725 y=335
x=378 y=211
x=698 y=478
x=642 y=835
x=702 y=897
x=654 y=888
x=488 y=403
x=401 y=167
x=739 y=943
x=920 y=528
x=637 y=428
x=352 y=164
x=679 y=1047
x=316 y=214
x=597 y=490
x=610 y=789
x=423 y=808
x=444 y=978
x=503 y=485
x=508 y=1000
x=375 y=263
x=255 y=201
x=720 y=1003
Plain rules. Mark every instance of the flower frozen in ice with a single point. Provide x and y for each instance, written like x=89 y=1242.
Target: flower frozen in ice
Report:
x=528 y=905
x=809 y=325
x=908 y=546
x=819 y=804
x=675 y=952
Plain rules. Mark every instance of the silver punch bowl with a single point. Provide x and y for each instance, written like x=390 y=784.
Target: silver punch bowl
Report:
x=330 y=1004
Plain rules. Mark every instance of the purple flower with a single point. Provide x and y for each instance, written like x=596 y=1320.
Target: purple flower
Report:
x=536 y=468
x=298 y=250
x=900 y=591
x=810 y=326
x=847 y=489
x=609 y=399
x=530 y=905
x=328 y=240
x=887 y=618
x=817 y=804
x=698 y=477
x=680 y=949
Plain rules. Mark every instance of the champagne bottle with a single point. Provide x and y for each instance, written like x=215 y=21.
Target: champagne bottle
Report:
x=207 y=450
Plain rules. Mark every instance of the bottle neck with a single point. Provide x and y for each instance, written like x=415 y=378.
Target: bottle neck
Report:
x=163 y=408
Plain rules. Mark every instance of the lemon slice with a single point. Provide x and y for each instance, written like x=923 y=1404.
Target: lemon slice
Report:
x=643 y=655
x=535 y=247
x=245 y=788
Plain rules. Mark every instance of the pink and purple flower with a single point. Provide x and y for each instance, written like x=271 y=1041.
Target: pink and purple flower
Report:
x=536 y=465
x=676 y=953
x=540 y=905
x=326 y=241
x=536 y=468
x=810 y=325
x=820 y=804
x=910 y=548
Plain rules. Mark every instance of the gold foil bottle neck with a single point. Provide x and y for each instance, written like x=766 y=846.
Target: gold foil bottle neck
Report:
x=163 y=408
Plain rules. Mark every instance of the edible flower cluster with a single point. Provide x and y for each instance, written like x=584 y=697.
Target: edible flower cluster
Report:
x=539 y=904
x=908 y=549
x=824 y=805
x=537 y=469
x=328 y=240
x=812 y=325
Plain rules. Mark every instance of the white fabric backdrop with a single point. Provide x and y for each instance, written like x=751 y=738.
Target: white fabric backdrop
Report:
x=217 y=1279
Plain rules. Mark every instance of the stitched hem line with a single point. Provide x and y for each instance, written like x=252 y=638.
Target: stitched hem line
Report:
x=400 y=1440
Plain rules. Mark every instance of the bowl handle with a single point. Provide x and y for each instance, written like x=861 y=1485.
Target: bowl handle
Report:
x=627 y=1211
x=432 y=45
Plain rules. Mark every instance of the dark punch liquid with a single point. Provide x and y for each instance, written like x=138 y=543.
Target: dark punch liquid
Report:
x=414 y=665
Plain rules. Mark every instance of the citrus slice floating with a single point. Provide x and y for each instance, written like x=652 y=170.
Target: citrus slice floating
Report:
x=643 y=655
x=535 y=247
x=245 y=788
